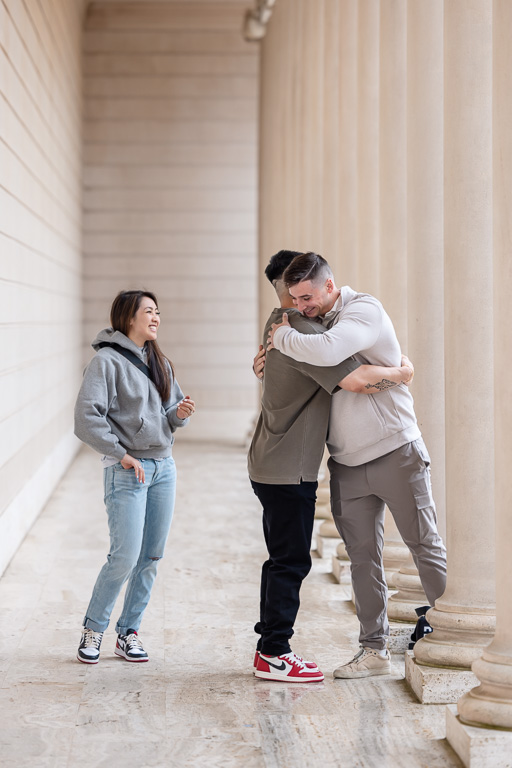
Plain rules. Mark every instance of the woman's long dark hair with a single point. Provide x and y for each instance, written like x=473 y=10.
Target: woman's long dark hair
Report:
x=123 y=310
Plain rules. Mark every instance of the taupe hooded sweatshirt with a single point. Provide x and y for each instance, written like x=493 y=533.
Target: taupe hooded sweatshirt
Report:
x=119 y=410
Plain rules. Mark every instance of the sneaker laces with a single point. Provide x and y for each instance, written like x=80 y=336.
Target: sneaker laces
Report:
x=293 y=659
x=364 y=652
x=133 y=641
x=92 y=638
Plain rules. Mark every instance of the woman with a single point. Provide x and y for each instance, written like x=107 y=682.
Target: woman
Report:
x=127 y=409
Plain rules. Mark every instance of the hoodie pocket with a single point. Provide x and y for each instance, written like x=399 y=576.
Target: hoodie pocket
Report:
x=376 y=408
x=139 y=438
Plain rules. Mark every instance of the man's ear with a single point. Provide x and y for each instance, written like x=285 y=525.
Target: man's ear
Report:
x=329 y=285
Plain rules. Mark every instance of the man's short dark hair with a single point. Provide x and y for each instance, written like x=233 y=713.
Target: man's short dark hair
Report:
x=278 y=264
x=306 y=266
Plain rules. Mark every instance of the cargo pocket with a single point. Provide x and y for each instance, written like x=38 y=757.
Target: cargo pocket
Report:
x=427 y=517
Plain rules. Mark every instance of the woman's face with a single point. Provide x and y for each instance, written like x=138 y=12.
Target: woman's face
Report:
x=144 y=325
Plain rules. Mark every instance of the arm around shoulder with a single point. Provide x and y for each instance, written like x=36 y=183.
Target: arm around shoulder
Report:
x=357 y=329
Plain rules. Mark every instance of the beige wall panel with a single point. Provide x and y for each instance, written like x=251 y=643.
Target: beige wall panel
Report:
x=170 y=64
x=221 y=177
x=192 y=242
x=170 y=287
x=170 y=199
x=165 y=42
x=43 y=442
x=195 y=87
x=170 y=182
x=243 y=155
x=186 y=132
x=162 y=109
x=29 y=152
x=40 y=70
x=170 y=222
x=50 y=142
x=40 y=240
x=155 y=16
x=180 y=265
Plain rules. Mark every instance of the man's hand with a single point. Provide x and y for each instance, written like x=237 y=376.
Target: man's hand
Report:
x=409 y=370
x=258 y=364
x=284 y=323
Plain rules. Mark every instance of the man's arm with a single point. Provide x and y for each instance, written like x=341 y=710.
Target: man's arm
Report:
x=372 y=379
x=358 y=329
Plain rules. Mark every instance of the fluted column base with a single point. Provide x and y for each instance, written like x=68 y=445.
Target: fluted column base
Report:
x=323 y=503
x=478 y=747
x=458 y=638
x=490 y=704
x=410 y=595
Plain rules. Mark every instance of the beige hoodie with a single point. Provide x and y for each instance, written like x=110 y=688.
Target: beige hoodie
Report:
x=360 y=428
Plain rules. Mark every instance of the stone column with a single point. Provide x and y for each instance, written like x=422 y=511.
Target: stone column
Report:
x=368 y=146
x=392 y=201
x=392 y=162
x=490 y=704
x=424 y=228
x=347 y=143
x=463 y=618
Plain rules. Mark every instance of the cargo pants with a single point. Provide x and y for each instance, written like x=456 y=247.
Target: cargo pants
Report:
x=400 y=480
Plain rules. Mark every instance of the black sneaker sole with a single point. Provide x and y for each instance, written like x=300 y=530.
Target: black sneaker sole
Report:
x=122 y=655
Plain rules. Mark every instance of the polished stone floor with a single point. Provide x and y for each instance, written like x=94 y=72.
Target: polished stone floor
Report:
x=196 y=703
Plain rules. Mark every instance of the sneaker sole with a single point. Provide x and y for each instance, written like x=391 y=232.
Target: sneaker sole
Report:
x=85 y=661
x=285 y=679
x=122 y=655
x=366 y=673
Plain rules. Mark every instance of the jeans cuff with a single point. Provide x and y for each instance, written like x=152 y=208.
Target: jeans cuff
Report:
x=90 y=624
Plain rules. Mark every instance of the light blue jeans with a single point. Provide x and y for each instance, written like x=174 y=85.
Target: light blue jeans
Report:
x=139 y=519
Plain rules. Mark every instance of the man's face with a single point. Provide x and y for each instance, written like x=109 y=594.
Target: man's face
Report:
x=311 y=298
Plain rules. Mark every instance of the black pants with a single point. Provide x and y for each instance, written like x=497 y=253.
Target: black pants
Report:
x=288 y=514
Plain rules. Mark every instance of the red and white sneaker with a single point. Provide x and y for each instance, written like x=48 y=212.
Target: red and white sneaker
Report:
x=287 y=668
x=309 y=664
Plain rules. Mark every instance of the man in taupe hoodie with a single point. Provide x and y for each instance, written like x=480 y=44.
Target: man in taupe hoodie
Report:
x=378 y=456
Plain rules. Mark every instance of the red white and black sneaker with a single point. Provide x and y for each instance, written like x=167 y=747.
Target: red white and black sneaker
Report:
x=129 y=647
x=309 y=664
x=89 y=648
x=287 y=668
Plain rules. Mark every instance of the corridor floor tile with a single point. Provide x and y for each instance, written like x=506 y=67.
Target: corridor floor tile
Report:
x=196 y=703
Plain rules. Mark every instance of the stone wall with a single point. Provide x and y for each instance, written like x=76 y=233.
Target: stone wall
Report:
x=40 y=241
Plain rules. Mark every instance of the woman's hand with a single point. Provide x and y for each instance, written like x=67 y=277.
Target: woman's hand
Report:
x=128 y=462
x=186 y=408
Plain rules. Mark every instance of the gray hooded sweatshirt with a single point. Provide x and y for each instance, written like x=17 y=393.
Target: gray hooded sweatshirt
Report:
x=119 y=410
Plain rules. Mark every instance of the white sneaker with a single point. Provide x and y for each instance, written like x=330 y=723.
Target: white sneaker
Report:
x=89 y=648
x=366 y=663
x=129 y=647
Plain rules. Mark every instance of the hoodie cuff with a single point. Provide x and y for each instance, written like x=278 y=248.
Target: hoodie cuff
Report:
x=174 y=419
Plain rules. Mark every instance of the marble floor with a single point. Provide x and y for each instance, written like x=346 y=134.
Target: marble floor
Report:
x=196 y=703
